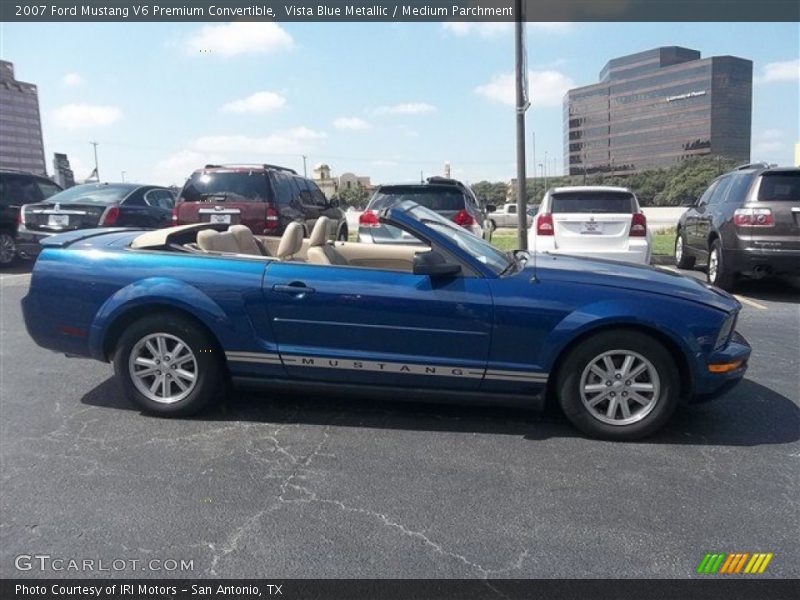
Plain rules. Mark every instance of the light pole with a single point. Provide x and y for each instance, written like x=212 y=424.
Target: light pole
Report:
x=123 y=176
x=521 y=105
x=96 y=168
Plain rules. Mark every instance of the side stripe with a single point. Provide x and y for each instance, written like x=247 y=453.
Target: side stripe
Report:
x=321 y=362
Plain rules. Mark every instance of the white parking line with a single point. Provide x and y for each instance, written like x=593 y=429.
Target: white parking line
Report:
x=749 y=302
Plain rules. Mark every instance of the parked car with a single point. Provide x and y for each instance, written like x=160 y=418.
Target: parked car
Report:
x=447 y=197
x=747 y=223
x=265 y=198
x=18 y=188
x=616 y=345
x=506 y=216
x=93 y=205
x=597 y=221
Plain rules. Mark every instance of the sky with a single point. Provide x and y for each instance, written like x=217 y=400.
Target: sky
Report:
x=386 y=100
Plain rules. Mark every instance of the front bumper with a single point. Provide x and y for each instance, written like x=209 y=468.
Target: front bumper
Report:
x=775 y=261
x=28 y=242
x=709 y=385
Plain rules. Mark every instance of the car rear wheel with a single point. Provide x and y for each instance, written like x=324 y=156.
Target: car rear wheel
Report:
x=718 y=273
x=168 y=366
x=8 y=249
x=682 y=258
x=619 y=386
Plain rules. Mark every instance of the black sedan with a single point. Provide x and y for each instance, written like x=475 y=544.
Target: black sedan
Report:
x=93 y=205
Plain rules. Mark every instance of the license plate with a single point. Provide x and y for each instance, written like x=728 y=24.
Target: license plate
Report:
x=57 y=220
x=591 y=227
x=219 y=218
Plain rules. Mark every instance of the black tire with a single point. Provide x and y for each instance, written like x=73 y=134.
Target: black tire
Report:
x=579 y=360
x=208 y=366
x=343 y=235
x=492 y=226
x=8 y=249
x=721 y=276
x=685 y=261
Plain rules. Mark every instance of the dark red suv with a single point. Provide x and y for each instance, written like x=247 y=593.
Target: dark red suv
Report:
x=264 y=197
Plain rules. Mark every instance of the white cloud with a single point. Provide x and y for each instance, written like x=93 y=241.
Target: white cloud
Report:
x=221 y=149
x=81 y=116
x=546 y=88
x=499 y=29
x=240 y=38
x=351 y=124
x=72 y=79
x=767 y=143
x=260 y=102
x=406 y=108
x=787 y=70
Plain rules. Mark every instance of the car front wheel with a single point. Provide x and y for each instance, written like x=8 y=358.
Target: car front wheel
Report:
x=8 y=249
x=682 y=258
x=719 y=274
x=168 y=366
x=619 y=386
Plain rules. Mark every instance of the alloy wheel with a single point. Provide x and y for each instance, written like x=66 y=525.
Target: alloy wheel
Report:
x=8 y=249
x=713 y=265
x=679 y=249
x=620 y=387
x=163 y=368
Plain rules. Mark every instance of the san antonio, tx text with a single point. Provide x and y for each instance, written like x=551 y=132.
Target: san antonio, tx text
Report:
x=256 y=10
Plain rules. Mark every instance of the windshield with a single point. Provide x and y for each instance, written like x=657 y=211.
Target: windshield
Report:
x=444 y=198
x=480 y=250
x=592 y=202
x=93 y=193
x=234 y=186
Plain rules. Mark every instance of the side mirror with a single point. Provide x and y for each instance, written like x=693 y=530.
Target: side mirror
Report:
x=490 y=208
x=689 y=202
x=432 y=263
x=333 y=203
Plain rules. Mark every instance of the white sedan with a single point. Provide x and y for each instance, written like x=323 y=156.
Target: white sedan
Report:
x=596 y=221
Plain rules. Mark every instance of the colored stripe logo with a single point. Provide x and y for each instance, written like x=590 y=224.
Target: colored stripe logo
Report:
x=734 y=563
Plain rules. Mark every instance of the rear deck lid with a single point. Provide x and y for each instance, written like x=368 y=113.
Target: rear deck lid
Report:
x=79 y=207
x=778 y=191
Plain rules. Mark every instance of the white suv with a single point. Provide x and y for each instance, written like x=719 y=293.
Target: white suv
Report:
x=595 y=221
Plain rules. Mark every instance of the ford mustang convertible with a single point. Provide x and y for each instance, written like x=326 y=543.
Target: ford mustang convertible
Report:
x=186 y=312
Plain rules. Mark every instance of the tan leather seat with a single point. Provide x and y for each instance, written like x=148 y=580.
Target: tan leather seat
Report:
x=291 y=242
x=214 y=241
x=320 y=252
x=246 y=240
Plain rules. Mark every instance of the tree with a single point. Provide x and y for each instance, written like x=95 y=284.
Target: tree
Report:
x=355 y=196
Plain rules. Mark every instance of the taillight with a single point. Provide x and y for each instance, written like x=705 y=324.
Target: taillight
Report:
x=753 y=217
x=110 y=216
x=544 y=224
x=271 y=221
x=174 y=215
x=638 y=225
x=369 y=219
x=464 y=219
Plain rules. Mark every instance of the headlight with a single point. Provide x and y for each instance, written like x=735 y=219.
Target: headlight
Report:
x=725 y=331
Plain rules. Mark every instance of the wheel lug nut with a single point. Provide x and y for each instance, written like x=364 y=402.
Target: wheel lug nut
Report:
x=608 y=383
x=627 y=383
x=618 y=376
x=624 y=394
x=613 y=395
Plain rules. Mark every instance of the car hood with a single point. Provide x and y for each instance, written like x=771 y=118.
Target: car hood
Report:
x=609 y=273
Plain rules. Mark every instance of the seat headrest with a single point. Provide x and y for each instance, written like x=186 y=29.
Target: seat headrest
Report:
x=291 y=242
x=214 y=241
x=245 y=239
x=319 y=235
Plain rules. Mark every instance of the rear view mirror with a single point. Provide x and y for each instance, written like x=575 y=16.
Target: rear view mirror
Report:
x=334 y=202
x=434 y=264
x=491 y=208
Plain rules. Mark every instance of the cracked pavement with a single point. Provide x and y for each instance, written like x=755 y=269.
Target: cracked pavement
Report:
x=286 y=486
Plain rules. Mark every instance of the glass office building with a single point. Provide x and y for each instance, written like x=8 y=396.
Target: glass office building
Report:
x=21 y=144
x=656 y=108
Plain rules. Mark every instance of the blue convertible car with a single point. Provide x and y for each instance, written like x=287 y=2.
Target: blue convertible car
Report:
x=184 y=312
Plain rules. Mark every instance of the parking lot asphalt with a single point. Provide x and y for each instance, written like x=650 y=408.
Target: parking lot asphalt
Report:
x=294 y=486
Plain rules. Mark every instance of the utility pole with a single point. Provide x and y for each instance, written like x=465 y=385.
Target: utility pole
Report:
x=123 y=177
x=522 y=106
x=96 y=168
x=305 y=171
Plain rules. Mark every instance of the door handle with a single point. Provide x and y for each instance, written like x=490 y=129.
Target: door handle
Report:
x=296 y=288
